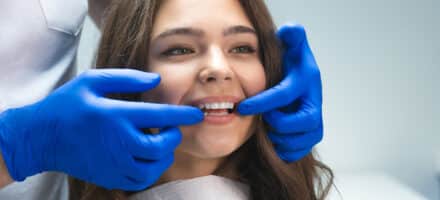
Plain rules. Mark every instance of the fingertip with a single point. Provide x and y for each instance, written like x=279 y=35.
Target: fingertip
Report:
x=257 y=104
x=178 y=136
x=245 y=108
x=183 y=114
x=169 y=160
x=155 y=77
x=119 y=80
x=289 y=29
x=172 y=133
x=289 y=26
x=292 y=34
x=196 y=115
x=199 y=115
x=150 y=79
x=161 y=144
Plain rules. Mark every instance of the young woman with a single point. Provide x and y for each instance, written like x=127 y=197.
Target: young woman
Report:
x=211 y=55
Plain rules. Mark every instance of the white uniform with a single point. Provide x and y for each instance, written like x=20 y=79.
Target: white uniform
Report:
x=200 y=188
x=38 y=44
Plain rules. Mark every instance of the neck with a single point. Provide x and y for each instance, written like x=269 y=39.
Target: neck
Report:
x=186 y=166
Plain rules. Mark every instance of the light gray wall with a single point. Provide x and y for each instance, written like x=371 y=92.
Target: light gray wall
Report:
x=379 y=63
x=380 y=67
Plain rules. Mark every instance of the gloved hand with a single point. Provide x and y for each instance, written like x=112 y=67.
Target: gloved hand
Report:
x=299 y=126
x=78 y=131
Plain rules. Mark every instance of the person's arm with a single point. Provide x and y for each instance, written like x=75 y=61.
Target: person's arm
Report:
x=96 y=10
x=5 y=178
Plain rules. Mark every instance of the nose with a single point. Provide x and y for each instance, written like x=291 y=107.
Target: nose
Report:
x=216 y=68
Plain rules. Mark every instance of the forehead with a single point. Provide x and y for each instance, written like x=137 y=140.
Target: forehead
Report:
x=209 y=15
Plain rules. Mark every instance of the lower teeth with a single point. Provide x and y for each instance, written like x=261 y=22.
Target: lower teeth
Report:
x=216 y=113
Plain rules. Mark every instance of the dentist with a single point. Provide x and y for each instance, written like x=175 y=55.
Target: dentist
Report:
x=50 y=125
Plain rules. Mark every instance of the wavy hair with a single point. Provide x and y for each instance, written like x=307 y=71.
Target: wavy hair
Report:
x=125 y=41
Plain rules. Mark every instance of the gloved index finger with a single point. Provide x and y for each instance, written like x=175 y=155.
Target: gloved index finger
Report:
x=278 y=96
x=292 y=36
x=292 y=86
x=104 y=81
x=154 y=115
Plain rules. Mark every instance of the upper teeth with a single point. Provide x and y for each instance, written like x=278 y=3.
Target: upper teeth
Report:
x=217 y=105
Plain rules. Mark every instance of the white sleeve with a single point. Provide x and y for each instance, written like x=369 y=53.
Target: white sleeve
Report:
x=38 y=44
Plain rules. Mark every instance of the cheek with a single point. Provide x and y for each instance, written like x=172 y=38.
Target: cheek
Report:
x=174 y=83
x=252 y=78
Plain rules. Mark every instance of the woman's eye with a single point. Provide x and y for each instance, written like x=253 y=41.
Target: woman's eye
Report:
x=243 y=49
x=177 y=51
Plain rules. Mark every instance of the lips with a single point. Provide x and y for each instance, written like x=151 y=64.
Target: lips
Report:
x=218 y=109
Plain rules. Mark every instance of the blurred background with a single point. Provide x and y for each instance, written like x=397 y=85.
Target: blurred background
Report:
x=380 y=66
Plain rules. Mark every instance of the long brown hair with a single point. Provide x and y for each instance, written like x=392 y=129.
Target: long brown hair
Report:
x=125 y=42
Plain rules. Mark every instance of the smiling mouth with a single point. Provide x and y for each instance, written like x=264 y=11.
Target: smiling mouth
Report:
x=218 y=108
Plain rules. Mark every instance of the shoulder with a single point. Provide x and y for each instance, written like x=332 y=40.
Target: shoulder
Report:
x=50 y=186
x=197 y=188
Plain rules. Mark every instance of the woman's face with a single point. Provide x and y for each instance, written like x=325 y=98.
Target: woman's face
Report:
x=207 y=55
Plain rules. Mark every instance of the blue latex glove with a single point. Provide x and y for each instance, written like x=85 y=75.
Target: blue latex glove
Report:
x=78 y=131
x=296 y=131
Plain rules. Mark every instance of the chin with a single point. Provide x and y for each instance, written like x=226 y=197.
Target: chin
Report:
x=213 y=151
x=210 y=144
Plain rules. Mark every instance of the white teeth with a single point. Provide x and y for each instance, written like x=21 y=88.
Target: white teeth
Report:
x=217 y=105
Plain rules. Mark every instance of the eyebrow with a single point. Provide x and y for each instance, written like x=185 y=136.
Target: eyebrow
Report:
x=199 y=33
x=181 y=31
x=238 y=30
